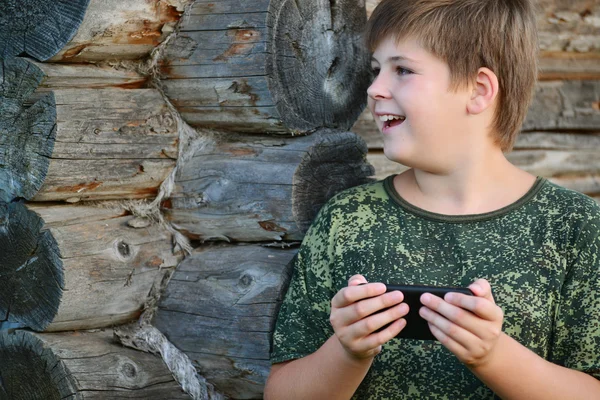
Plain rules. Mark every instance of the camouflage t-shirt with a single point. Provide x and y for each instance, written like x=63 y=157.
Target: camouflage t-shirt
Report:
x=541 y=255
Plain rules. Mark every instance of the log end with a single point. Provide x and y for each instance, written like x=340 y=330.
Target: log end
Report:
x=27 y=134
x=337 y=161
x=32 y=272
x=38 y=28
x=30 y=370
x=317 y=65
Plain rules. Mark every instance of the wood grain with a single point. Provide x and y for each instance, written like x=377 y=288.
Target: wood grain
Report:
x=121 y=30
x=80 y=366
x=220 y=307
x=268 y=66
x=110 y=144
x=261 y=188
x=40 y=31
x=109 y=267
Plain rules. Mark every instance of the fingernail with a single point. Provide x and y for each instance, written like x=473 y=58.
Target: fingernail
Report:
x=426 y=297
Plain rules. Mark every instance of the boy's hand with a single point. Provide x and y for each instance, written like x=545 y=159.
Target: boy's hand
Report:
x=469 y=326
x=351 y=318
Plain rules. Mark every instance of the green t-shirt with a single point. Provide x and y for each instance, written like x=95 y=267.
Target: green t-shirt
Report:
x=541 y=255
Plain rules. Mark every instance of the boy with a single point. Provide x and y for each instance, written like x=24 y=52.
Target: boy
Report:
x=453 y=82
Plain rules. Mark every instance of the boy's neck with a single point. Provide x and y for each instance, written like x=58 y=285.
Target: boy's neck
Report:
x=485 y=186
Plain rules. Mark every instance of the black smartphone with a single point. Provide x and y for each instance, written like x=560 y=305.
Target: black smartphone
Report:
x=416 y=327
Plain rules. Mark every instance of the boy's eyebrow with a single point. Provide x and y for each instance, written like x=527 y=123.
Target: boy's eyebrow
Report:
x=395 y=58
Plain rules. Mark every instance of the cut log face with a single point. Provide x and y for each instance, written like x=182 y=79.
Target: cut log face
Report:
x=220 y=308
x=37 y=27
x=26 y=135
x=121 y=30
x=280 y=66
x=109 y=267
x=80 y=366
x=263 y=188
x=31 y=270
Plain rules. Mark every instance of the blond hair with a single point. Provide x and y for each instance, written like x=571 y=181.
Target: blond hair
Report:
x=468 y=34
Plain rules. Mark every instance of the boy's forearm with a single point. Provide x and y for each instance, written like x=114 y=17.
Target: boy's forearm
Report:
x=328 y=373
x=516 y=372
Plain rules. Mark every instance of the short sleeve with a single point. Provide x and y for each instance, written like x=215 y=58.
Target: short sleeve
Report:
x=302 y=324
x=576 y=338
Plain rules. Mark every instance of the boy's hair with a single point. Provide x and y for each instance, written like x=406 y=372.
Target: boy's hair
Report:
x=468 y=34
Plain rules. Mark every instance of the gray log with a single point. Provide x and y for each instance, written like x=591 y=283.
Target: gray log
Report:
x=110 y=144
x=78 y=267
x=78 y=366
x=31 y=270
x=37 y=27
x=565 y=105
x=270 y=65
x=263 y=188
x=26 y=135
x=220 y=307
x=122 y=30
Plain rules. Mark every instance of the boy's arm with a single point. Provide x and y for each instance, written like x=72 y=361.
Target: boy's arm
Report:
x=515 y=372
x=470 y=327
x=338 y=367
x=328 y=373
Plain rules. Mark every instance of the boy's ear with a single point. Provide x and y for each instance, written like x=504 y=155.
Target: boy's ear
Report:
x=484 y=92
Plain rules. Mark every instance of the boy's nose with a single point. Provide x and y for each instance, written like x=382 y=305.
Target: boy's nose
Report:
x=378 y=89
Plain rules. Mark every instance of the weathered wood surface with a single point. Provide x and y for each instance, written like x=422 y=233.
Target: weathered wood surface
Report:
x=37 y=27
x=120 y=30
x=220 y=308
x=80 y=365
x=103 y=267
x=569 y=37
x=31 y=270
x=269 y=66
x=89 y=76
x=110 y=144
x=26 y=134
x=259 y=188
x=565 y=105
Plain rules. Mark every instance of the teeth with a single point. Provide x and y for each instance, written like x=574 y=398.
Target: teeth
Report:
x=385 y=118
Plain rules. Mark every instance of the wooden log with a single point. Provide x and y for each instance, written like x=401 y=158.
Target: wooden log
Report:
x=103 y=268
x=82 y=144
x=262 y=188
x=220 y=307
x=88 y=76
x=38 y=28
x=122 y=30
x=565 y=105
x=80 y=366
x=110 y=144
x=273 y=66
x=26 y=135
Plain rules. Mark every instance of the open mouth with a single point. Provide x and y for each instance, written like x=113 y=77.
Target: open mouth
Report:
x=389 y=121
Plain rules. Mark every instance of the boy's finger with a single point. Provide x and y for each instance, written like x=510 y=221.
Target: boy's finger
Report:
x=482 y=288
x=480 y=306
x=352 y=294
x=357 y=280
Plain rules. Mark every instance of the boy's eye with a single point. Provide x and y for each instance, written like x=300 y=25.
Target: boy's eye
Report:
x=403 y=71
x=374 y=71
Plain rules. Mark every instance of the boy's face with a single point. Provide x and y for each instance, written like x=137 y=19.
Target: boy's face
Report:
x=429 y=129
